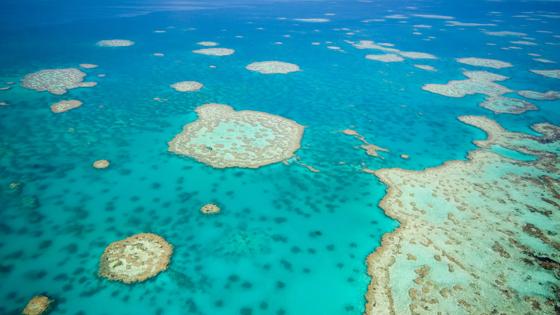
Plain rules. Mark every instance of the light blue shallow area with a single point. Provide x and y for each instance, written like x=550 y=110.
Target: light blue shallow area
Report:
x=288 y=241
x=512 y=154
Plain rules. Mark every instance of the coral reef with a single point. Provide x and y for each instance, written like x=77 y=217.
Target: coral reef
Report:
x=482 y=62
x=64 y=106
x=210 y=208
x=555 y=74
x=478 y=82
x=371 y=149
x=136 y=258
x=544 y=96
x=56 y=81
x=38 y=305
x=507 y=105
x=476 y=236
x=115 y=43
x=187 y=86
x=273 y=67
x=219 y=52
x=101 y=164
x=385 y=58
x=223 y=137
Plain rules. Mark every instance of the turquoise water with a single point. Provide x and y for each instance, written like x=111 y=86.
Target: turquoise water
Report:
x=288 y=241
x=512 y=154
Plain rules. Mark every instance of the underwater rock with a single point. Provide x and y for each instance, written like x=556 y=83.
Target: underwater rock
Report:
x=64 y=106
x=223 y=137
x=38 y=305
x=507 y=105
x=470 y=228
x=482 y=62
x=219 y=52
x=56 y=81
x=273 y=67
x=187 y=86
x=210 y=208
x=115 y=43
x=136 y=258
x=101 y=164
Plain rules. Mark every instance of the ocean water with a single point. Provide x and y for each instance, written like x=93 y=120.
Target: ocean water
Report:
x=288 y=241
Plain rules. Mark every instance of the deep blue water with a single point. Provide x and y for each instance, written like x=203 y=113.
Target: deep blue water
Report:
x=288 y=241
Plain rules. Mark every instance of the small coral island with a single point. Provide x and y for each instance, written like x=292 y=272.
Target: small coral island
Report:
x=136 y=258
x=210 y=208
x=223 y=137
x=273 y=67
x=38 y=305
x=477 y=236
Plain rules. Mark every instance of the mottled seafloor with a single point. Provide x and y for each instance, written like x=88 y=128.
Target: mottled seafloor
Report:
x=288 y=240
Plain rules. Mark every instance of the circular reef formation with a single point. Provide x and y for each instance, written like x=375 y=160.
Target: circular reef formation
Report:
x=223 y=137
x=273 y=67
x=56 y=81
x=38 y=305
x=187 y=86
x=136 y=258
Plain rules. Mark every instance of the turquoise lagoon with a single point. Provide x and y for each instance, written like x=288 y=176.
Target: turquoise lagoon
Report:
x=288 y=241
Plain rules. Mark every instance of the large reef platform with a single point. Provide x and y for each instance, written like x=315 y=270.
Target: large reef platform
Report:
x=222 y=137
x=477 y=236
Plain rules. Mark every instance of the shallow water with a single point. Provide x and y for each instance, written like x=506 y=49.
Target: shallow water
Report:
x=288 y=241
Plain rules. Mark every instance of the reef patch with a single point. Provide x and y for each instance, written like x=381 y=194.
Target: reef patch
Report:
x=136 y=258
x=223 y=137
